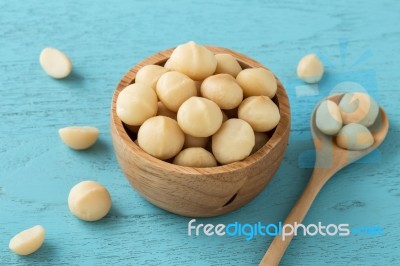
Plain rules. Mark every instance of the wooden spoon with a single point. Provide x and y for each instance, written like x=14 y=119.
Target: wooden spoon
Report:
x=329 y=159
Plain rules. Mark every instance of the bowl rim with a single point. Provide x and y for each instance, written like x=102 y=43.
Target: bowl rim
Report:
x=245 y=61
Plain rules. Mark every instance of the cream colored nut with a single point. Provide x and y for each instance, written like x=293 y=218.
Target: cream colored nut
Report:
x=27 y=241
x=77 y=137
x=310 y=69
x=223 y=90
x=173 y=88
x=226 y=63
x=136 y=103
x=195 y=157
x=191 y=141
x=193 y=60
x=257 y=82
x=260 y=139
x=260 y=112
x=149 y=75
x=358 y=107
x=161 y=137
x=55 y=63
x=328 y=118
x=233 y=142
x=168 y=65
x=164 y=111
x=199 y=117
x=89 y=201
x=354 y=137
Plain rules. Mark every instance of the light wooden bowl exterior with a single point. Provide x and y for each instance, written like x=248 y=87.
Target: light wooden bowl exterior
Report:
x=199 y=192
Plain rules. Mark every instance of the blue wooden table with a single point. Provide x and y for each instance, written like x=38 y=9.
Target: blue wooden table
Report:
x=358 y=42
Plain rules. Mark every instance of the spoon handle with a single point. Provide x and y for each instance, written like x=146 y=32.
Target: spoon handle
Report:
x=278 y=246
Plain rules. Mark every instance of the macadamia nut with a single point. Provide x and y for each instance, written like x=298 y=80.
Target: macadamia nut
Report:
x=27 y=241
x=79 y=138
x=199 y=117
x=173 y=88
x=257 y=82
x=161 y=137
x=354 y=137
x=226 y=63
x=260 y=112
x=89 y=201
x=310 y=69
x=327 y=118
x=223 y=90
x=168 y=65
x=358 y=107
x=55 y=63
x=149 y=75
x=195 y=157
x=193 y=60
x=233 y=142
x=136 y=103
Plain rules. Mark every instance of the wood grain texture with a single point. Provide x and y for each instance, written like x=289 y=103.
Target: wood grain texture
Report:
x=106 y=38
x=199 y=192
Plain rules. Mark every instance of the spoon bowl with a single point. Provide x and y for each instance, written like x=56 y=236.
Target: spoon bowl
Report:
x=330 y=158
x=330 y=155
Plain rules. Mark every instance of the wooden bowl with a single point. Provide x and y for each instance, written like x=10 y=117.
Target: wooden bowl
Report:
x=199 y=192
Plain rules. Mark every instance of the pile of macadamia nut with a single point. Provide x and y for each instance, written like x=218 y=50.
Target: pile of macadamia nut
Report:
x=200 y=109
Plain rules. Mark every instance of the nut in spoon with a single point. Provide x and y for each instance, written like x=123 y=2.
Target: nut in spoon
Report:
x=330 y=158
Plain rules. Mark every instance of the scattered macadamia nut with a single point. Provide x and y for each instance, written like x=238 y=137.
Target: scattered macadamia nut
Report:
x=199 y=117
x=191 y=141
x=257 y=82
x=164 y=111
x=260 y=112
x=354 y=137
x=27 y=241
x=55 y=63
x=233 y=142
x=136 y=103
x=260 y=139
x=193 y=60
x=310 y=69
x=195 y=157
x=161 y=137
x=149 y=75
x=173 y=88
x=327 y=118
x=358 y=107
x=226 y=63
x=89 y=201
x=79 y=137
x=223 y=90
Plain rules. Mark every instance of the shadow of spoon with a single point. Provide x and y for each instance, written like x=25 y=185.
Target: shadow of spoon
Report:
x=330 y=158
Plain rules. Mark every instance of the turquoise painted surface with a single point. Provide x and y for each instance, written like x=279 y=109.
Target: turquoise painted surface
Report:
x=359 y=42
